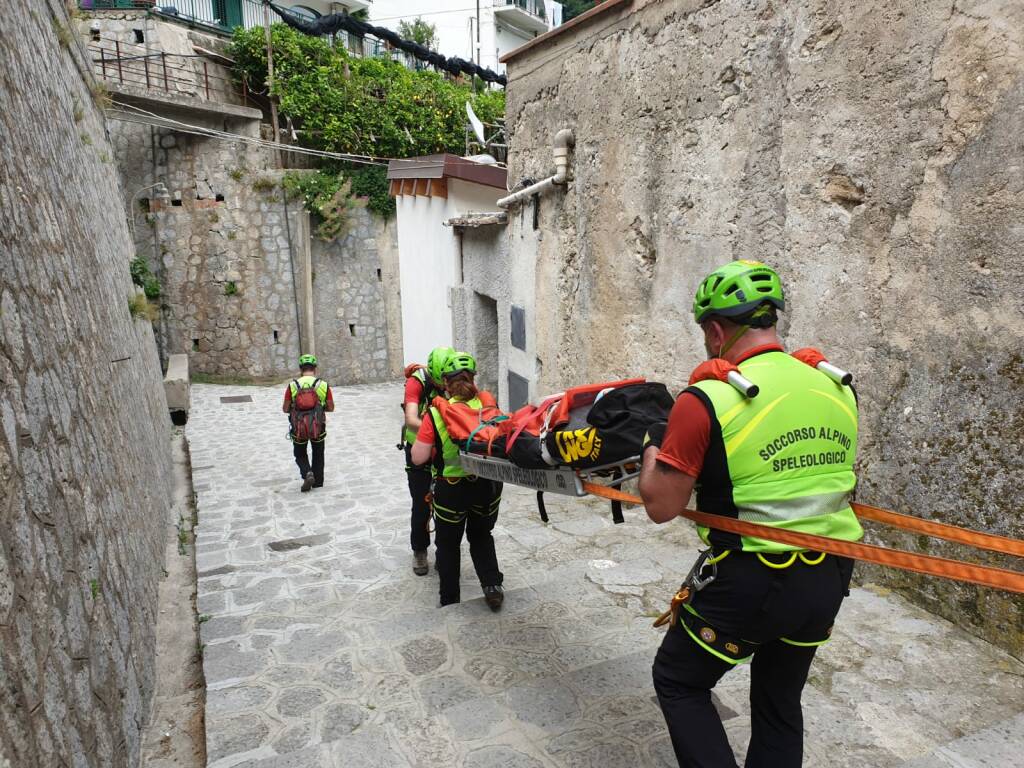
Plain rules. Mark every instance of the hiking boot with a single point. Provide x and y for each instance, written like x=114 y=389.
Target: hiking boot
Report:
x=307 y=483
x=494 y=597
x=419 y=562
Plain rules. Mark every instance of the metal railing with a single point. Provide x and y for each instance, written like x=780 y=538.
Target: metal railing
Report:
x=186 y=75
x=532 y=7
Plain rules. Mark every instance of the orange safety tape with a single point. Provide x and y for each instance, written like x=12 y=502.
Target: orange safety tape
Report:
x=983 y=575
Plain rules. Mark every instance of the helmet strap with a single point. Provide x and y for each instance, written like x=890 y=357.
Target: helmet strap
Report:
x=732 y=340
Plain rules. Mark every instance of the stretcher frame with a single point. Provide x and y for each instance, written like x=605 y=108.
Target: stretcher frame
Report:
x=561 y=480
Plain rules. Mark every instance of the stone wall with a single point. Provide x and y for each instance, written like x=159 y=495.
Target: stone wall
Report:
x=349 y=295
x=871 y=151
x=85 y=466
x=230 y=255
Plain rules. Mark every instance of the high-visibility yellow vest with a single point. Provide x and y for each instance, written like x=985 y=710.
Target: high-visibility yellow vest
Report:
x=784 y=458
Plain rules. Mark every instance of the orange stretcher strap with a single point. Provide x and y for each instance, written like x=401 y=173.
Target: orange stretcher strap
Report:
x=983 y=575
x=953 y=533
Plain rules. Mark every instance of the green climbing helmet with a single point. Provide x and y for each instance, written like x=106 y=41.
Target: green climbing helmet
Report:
x=307 y=360
x=458 y=363
x=435 y=362
x=737 y=290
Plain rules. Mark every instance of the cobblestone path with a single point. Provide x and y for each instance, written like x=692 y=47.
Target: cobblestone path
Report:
x=322 y=648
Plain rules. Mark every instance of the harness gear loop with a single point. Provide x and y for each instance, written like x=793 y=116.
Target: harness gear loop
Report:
x=693 y=583
x=777 y=566
x=808 y=561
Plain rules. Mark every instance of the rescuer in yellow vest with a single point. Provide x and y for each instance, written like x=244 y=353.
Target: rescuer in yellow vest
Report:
x=462 y=503
x=422 y=385
x=783 y=458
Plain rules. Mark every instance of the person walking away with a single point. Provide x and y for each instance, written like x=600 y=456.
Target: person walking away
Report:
x=422 y=385
x=307 y=400
x=462 y=503
x=784 y=458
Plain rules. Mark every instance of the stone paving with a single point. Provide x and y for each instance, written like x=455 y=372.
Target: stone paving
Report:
x=322 y=648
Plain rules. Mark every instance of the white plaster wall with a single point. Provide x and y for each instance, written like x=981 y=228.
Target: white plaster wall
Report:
x=428 y=254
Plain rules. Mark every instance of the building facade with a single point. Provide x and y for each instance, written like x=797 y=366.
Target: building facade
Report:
x=429 y=192
x=483 y=33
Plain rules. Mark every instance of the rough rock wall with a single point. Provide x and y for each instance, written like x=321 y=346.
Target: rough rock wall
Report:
x=85 y=466
x=870 y=150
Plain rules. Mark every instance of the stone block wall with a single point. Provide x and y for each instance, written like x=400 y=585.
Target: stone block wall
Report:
x=349 y=296
x=219 y=245
x=85 y=464
x=868 y=149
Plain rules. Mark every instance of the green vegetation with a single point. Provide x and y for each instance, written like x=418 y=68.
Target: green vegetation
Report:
x=419 y=31
x=141 y=307
x=94 y=588
x=362 y=106
x=230 y=288
x=573 y=8
x=143 y=278
x=263 y=184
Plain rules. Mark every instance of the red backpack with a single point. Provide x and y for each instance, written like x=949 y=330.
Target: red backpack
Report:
x=308 y=420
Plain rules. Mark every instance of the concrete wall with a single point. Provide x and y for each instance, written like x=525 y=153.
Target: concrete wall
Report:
x=490 y=290
x=430 y=266
x=871 y=151
x=85 y=466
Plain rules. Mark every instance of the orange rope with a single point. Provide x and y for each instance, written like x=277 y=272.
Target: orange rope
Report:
x=983 y=575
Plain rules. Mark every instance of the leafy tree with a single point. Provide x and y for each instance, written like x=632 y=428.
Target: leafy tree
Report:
x=573 y=8
x=419 y=31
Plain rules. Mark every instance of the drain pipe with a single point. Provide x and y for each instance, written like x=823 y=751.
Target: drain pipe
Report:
x=564 y=141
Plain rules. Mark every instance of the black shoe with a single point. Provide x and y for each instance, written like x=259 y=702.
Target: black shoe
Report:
x=307 y=483
x=494 y=597
x=419 y=562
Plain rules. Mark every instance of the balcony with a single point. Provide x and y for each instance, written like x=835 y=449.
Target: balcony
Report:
x=528 y=15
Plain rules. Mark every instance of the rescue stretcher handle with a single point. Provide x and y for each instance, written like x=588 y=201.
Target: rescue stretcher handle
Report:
x=742 y=384
x=838 y=375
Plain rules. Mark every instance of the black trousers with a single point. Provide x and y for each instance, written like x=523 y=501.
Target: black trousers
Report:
x=750 y=601
x=302 y=459
x=419 y=489
x=468 y=506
